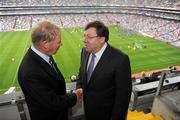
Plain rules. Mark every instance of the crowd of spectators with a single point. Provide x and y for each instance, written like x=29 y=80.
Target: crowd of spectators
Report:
x=164 y=30
x=147 y=3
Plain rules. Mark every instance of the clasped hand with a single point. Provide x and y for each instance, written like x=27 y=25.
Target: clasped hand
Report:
x=79 y=93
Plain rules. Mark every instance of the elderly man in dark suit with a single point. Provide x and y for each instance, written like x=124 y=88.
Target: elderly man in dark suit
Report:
x=40 y=79
x=104 y=76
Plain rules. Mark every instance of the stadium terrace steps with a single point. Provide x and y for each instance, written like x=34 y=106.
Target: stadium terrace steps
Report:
x=134 y=115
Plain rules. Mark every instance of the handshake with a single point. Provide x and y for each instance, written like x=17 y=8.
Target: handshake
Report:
x=79 y=94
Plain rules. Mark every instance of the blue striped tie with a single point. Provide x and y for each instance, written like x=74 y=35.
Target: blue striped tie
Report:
x=51 y=61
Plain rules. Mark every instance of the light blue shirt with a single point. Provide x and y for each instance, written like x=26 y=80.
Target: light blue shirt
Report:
x=42 y=55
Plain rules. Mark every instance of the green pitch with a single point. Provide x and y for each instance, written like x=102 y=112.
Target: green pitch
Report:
x=145 y=53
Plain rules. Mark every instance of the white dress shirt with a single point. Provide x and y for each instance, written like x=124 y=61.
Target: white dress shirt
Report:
x=98 y=56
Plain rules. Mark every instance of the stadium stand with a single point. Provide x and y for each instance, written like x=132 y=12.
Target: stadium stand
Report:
x=167 y=104
x=144 y=90
x=159 y=19
x=150 y=3
x=167 y=31
x=155 y=18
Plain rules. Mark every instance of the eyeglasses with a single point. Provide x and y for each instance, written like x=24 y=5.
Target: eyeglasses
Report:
x=89 y=37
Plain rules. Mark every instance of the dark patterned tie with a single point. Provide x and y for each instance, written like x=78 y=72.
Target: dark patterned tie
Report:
x=91 y=66
x=51 y=61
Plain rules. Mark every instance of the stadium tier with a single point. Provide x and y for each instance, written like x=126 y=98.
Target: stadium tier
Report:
x=147 y=30
x=153 y=3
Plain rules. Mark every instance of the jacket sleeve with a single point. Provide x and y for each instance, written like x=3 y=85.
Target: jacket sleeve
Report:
x=79 y=80
x=123 y=89
x=44 y=95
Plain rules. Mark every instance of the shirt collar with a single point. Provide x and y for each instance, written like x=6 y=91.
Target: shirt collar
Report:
x=100 y=52
x=42 y=55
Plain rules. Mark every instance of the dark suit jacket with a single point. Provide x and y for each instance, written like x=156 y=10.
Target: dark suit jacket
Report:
x=107 y=95
x=44 y=89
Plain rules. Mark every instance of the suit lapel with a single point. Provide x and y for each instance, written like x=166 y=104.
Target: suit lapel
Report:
x=106 y=56
x=59 y=72
x=85 y=56
x=43 y=63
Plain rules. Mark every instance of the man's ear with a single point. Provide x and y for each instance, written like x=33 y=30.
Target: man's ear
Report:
x=102 y=39
x=44 y=44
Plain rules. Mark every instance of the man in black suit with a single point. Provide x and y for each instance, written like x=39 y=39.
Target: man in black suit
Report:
x=106 y=90
x=40 y=79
